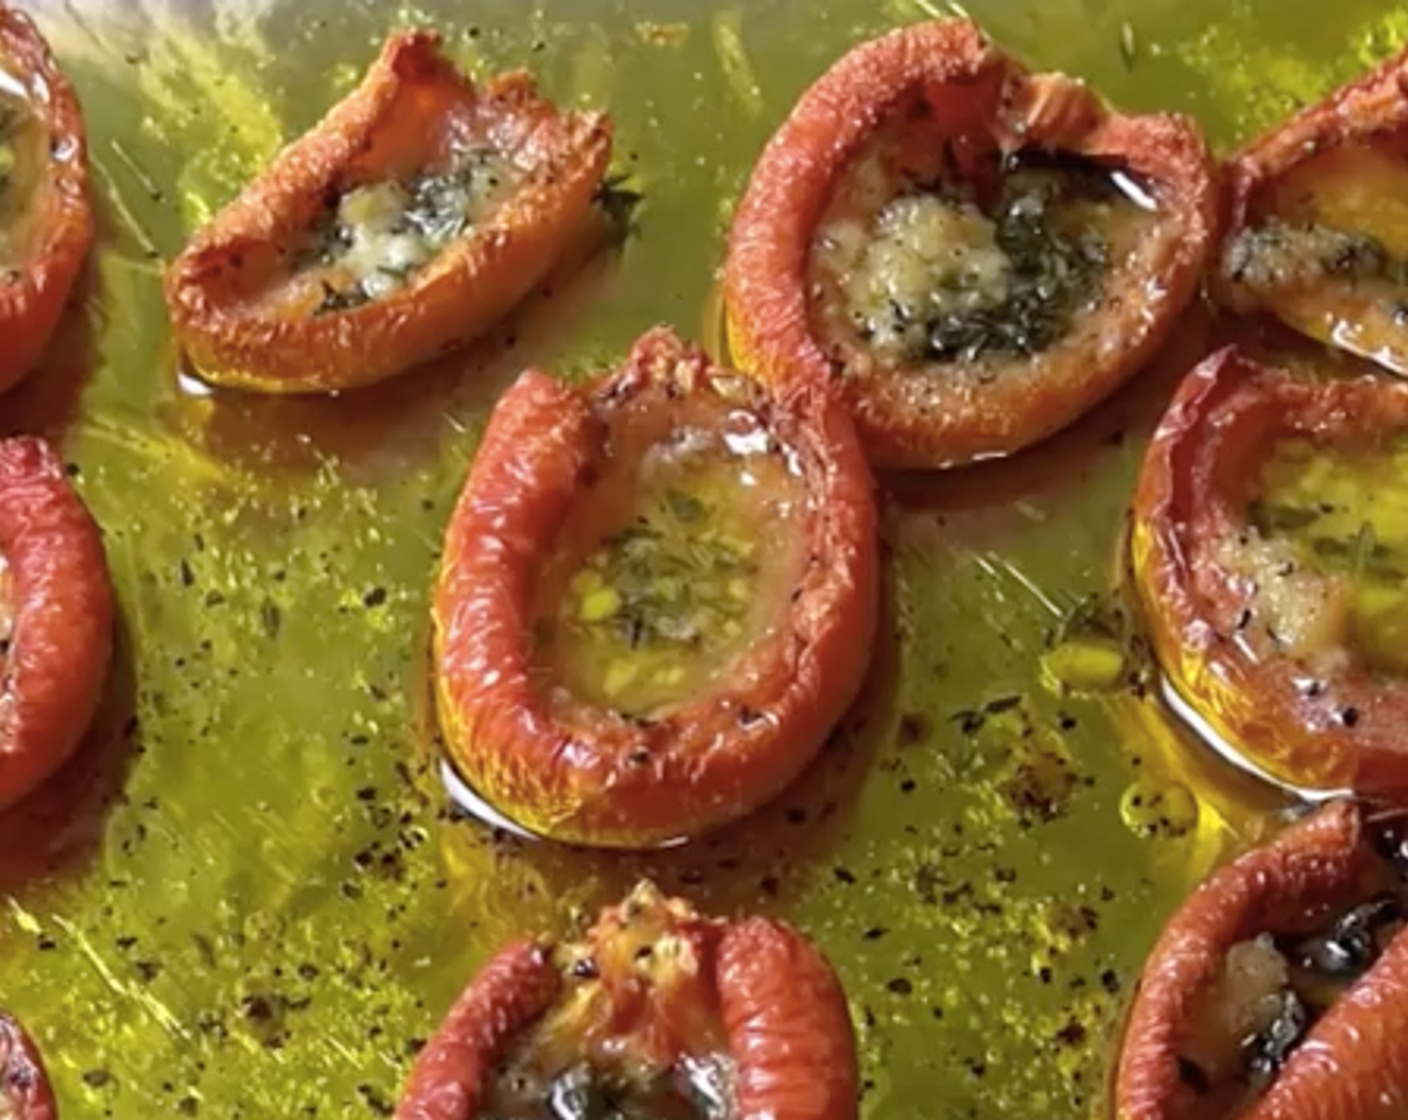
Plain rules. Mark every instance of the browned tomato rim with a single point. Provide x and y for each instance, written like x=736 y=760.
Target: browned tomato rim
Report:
x=472 y=282
x=612 y=780
x=786 y=1025
x=32 y=296
x=61 y=641
x=1339 y=1068
x=1006 y=108
x=24 y=1084
x=1193 y=492
x=1369 y=109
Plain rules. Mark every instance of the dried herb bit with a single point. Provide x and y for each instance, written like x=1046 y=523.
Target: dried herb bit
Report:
x=1277 y=251
x=383 y=233
x=664 y=582
x=618 y=203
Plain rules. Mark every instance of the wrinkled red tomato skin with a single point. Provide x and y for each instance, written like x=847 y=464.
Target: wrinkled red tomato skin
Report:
x=987 y=101
x=452 y=1075
x=32 y=303
x=1313 y=864
x=24 y=1086
x=1193 y=492
x=404 y=100
x=606 y=780
x=63 y=616
x=789 y=1030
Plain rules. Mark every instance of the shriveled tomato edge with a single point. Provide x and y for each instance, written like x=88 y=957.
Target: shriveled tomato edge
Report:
x=451 y=1076
x=1258 y=706
x=789 y=1030
x=63 y=620
x=765 y=291
x=24 y=1082
x=701 y=766
x=1310 y=867
x=32 y=303
x=472 y=284
x=1369 y=107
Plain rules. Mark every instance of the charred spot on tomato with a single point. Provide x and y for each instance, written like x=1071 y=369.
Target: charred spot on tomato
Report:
x=636 y=1032
x=679 y=583
x=376 y=236
x=921 y=263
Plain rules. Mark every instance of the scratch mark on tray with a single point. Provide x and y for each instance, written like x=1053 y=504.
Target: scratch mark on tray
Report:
x=158 y=1010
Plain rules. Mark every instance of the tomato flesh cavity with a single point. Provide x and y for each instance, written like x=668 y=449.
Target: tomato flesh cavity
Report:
x=669 y=578
x=1318 y=231
x=917 y=266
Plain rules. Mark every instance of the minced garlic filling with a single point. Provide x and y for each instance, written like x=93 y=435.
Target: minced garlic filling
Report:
x=924 y=258
x=1325 y=558
x=1304 y=613
x=694 y=561
x=383 y=232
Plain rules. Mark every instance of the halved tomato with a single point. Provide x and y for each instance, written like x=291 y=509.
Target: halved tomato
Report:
x=658 y=595
x=1270 y=547
x=407 y=223
x=975 y=255
x=1280 y=990
x=658 y=1012
x=56 y=616
x=24 y=1086
x=1318 y=220
x=46 y=219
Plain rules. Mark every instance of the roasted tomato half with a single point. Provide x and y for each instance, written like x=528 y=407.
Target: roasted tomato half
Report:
x=1270 y=545
x=46 y=220
x=657 y=1013
x=658 y=595
x=1280 y=990
x=408 y=222
x=24 y=1086
x=1318 y=220
x=974 y=254
x=56 y=616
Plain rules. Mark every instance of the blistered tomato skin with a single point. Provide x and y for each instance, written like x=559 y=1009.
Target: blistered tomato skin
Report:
x=989 y=107
x=451 y=1075
x=60 y=639
x=1335 y=730
x=234 y=295
x=788 y=1027
x=35 y=289
x=652 y=987
x=24 y=1086
x=586 y=773
x=1353 y=1062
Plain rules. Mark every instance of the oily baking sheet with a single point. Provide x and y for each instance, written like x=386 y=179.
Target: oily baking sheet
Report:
x=249 y=897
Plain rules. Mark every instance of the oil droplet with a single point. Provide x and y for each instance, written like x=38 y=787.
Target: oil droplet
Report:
x=1151 y=809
